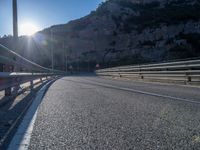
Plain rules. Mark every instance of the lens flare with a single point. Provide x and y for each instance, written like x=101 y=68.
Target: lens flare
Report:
x=28 y=28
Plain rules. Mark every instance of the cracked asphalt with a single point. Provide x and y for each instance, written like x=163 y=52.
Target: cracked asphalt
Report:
x=79 y=113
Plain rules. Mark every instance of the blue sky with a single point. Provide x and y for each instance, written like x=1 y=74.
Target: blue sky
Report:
x=44 y=13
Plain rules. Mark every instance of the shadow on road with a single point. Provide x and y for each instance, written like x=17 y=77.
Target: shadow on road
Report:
x=12 y=112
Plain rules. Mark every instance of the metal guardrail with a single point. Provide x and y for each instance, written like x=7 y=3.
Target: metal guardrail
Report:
x=25 y=70
x=180 y=71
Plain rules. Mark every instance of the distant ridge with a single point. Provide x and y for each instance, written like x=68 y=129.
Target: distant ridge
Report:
x=121 y=32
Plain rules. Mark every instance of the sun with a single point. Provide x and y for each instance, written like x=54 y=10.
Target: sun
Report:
x=28 y=28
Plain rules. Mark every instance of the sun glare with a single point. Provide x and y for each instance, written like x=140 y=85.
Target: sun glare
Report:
x=28 y=29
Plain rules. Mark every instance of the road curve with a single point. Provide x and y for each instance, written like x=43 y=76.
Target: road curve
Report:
x=88 y=112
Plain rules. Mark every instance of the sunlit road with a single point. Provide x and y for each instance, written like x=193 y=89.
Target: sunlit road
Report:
x=89 y=112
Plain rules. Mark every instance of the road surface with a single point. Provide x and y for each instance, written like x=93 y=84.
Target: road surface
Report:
x=88 y=112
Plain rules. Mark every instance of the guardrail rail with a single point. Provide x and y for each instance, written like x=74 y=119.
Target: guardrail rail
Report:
x=16 y=70
x=186 y=72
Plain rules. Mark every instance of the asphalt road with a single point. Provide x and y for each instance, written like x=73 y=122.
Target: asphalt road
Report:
x=88 y=112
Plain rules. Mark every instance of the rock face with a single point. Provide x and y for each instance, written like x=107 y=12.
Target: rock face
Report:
x=123 y=32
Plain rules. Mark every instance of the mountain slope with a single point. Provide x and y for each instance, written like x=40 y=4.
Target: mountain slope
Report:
x=125 y=32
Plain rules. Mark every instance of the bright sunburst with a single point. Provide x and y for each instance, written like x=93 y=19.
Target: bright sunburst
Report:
x=28 y=28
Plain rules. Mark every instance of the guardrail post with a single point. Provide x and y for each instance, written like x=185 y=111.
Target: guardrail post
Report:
x=31 y=82
x=8 y=91
x=141 y=76
x=119 y=73
x=188 y=78
x=31 y=86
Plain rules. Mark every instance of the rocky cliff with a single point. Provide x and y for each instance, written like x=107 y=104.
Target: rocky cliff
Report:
x=122 y=32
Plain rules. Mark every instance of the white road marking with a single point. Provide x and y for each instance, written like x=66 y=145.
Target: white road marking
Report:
x=22 y=137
